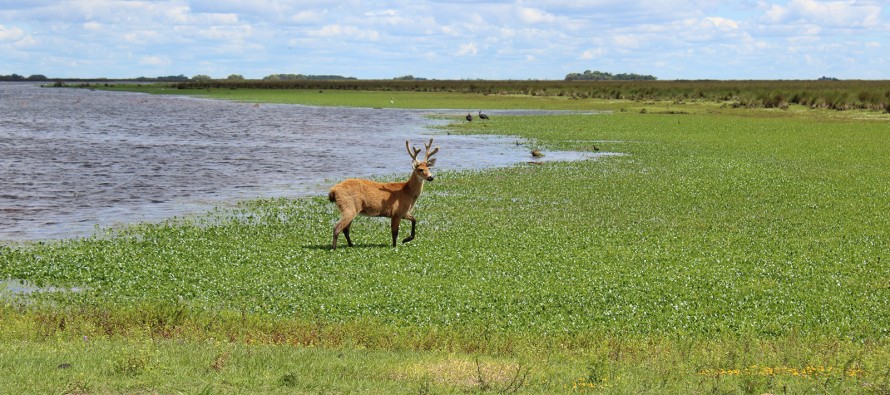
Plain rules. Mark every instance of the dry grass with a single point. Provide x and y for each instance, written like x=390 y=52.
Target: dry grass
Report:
x=467 y=374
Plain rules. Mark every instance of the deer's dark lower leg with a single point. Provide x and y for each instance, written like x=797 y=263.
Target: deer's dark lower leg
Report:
x=413 y=228
x=346 y=233
x=342 y=226
x=394 y=225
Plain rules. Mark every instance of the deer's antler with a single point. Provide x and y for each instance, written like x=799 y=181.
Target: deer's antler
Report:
x=430 y=162
x=414 y=154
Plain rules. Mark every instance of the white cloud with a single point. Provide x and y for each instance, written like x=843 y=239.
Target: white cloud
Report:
x=722 y=23
x=840 y=14
x=142 y=37
x=467 y=49
x=155 y=61
x=305 y=16
x=94 y=26
x=534 y=16
x=339 y=31
x=222 y=19
x=228 y=34
x=684 y=38
x=593 y=53
x=11 y=33
x=374 y=14
x=627 y=40
x=176 y=14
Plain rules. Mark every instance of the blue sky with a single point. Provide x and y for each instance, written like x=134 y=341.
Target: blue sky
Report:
x=681 y=39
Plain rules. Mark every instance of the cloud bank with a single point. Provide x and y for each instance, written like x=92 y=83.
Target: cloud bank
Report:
x=683 y=39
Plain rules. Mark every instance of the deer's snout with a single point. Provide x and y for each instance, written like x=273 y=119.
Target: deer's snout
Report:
x=430 y=177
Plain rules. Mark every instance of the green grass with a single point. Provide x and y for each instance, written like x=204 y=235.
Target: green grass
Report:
x=616 y=366
x=726 y=251
x=835 y=95
x=366 y=98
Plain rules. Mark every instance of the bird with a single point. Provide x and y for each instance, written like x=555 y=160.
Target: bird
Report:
x=469 y=117
x=482 y=116
x=537 y=153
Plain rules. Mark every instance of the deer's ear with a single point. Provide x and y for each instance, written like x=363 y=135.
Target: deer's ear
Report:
x=414 y=164
x=431 y=162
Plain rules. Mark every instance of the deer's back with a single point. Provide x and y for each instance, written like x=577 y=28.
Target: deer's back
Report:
x=370 y=198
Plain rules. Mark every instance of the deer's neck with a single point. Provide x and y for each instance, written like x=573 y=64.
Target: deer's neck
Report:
x=414 y=185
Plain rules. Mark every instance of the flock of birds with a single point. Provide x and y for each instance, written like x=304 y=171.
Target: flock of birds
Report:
x=481 y=116
x=535 y=153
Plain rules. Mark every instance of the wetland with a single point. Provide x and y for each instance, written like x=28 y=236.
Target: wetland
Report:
x=730 y=250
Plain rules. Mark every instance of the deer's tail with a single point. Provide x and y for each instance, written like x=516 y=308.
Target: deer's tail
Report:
x=332 y=196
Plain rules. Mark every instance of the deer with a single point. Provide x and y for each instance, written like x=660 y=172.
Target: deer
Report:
x=393 y=200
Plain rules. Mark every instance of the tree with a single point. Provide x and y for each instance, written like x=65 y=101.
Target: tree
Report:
x=409 y=77
x=588 y=75
x=284 y=77
x=173 y=78
x=201 y=77
x=235 y=77
x=11 y=77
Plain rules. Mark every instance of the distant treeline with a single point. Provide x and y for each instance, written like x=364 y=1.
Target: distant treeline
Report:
x=41 y=77
x=838 y=95
x=16 y=77
x=180 y=77
x=177 y=78
x=297 y=77
x=588 y=75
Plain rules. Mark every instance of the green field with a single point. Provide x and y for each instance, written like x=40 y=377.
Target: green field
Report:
x=727 y=250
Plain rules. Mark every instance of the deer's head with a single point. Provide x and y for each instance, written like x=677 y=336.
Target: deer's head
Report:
x=422 y=168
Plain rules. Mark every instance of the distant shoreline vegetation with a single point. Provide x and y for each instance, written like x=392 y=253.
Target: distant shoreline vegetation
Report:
x=780 y=94
x=822 y=93
x=297 y=77
x=588 y=75
x=16 y=77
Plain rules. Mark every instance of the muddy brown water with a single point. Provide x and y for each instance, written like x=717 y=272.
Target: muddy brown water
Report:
x=74 y=160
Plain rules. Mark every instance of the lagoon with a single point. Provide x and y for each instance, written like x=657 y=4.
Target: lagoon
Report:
x=76 y=160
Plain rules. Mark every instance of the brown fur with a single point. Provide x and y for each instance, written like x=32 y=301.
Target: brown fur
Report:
x=393 y=200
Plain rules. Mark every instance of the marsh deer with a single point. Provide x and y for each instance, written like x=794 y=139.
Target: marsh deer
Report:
x=374 y=199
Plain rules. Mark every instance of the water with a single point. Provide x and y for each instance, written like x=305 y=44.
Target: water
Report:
x=75 y=159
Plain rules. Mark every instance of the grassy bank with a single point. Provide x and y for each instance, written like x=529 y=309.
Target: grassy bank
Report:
x=726 y=251
x=834 y=95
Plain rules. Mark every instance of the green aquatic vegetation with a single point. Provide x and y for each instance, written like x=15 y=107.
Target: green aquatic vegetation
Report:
x=706 y=225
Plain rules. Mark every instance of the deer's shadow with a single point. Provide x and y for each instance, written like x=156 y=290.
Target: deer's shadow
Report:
x=345 y=247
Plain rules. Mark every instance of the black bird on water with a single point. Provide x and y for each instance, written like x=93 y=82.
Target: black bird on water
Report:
x=482 y=116
x=469 y=117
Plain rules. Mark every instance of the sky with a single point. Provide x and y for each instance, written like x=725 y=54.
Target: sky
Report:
x=669 y=39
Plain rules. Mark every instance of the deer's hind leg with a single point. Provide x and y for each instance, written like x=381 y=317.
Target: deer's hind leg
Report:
x=346 y=233
x=343 y=225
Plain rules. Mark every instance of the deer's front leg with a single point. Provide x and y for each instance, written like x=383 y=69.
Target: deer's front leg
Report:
x=395 y=229
x=413 y=228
